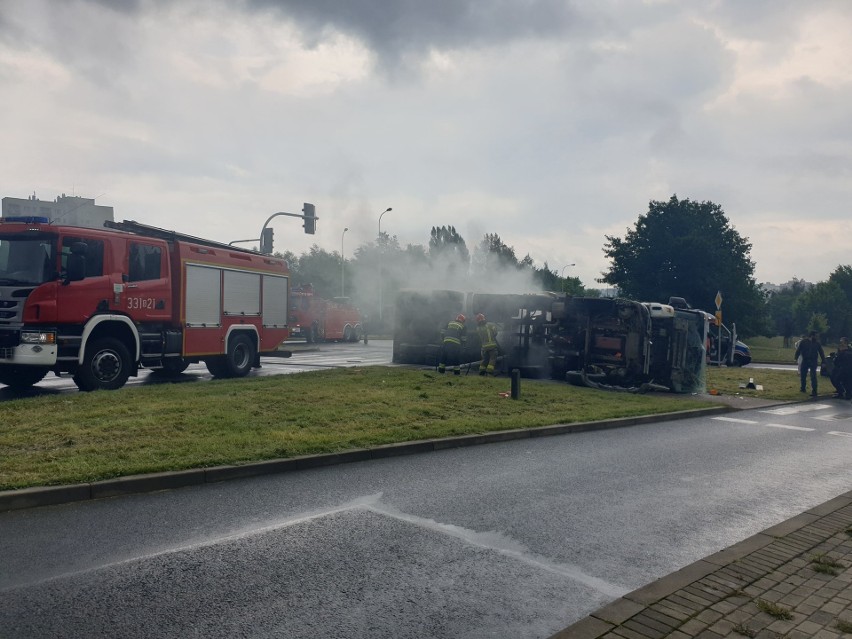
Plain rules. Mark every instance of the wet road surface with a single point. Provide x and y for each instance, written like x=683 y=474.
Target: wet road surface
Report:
x=516 y=539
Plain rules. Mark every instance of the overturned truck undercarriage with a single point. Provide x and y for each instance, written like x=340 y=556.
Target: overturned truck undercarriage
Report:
x=608 y=343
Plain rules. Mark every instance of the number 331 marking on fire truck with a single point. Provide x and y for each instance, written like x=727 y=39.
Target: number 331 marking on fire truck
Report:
x=139 y=303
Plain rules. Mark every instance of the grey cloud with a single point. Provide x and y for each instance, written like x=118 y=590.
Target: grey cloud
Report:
x=395 y=28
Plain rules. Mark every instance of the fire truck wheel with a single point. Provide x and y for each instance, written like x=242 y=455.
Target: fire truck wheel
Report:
x=173 y=366
x=19 y=377
x=240 y=357
x=106 y=366
x=348 y=334
x=217 y=366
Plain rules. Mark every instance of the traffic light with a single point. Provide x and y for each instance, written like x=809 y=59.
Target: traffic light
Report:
x=266 y=241
x=310 y=217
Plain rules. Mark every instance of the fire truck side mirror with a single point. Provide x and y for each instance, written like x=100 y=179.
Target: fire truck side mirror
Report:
x=266 y=241
x=75 y=268
x=310 y=218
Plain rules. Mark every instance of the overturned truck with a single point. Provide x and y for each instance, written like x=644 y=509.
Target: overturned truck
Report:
x=610 y=343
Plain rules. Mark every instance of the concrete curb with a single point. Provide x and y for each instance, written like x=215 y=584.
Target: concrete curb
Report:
x=53 y=495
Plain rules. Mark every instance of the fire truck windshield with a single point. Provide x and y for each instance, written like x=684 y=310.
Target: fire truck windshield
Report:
x=27 y=260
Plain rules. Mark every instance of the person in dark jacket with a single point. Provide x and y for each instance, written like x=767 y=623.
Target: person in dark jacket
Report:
x=455 y=336
x=811 y=352
x=841 y=376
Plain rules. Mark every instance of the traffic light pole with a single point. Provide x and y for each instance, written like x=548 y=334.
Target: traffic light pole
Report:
x=308 y=215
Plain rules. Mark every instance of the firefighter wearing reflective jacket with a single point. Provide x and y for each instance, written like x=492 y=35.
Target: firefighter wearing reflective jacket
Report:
x=455 y=335
x=488 y=342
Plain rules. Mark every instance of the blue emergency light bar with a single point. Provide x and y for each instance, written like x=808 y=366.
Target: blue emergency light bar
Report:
x=30 y=219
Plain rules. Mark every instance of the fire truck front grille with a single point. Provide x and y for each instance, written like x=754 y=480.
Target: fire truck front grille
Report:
x=12 y=304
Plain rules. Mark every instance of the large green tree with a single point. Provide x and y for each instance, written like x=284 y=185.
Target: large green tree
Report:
x=779 y=305
x=688 y=249
x=828 y=300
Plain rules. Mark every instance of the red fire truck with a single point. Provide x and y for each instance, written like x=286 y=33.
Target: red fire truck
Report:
x=103 y=303
x=316 y=319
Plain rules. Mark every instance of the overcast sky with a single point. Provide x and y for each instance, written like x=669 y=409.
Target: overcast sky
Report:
x=549 y=122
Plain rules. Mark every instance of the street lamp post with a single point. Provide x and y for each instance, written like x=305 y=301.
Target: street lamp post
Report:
x=381 y=275
x=342 y=264
x=562 y=275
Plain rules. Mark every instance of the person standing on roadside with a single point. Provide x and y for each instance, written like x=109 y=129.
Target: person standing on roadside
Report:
x=811 y=351
x=454 y=338
x=841 y=376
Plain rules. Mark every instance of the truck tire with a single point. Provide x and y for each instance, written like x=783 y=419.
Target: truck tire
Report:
x=217 y=366
x=106 y=365
x=173 y=366
x=348 y=334
x=237 y=362
x=21 y=377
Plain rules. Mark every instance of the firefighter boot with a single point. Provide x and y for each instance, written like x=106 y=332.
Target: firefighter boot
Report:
x=456 y=371
x=441 y=369
x=482 y=372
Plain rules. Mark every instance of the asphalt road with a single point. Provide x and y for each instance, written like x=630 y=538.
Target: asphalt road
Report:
x=305 y=357
x=517 y=539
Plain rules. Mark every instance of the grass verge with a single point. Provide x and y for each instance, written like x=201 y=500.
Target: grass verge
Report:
x=81 y=437
x=780 y=385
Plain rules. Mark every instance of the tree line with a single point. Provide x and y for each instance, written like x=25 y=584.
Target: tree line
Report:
x=678 y=248
x=381 y=268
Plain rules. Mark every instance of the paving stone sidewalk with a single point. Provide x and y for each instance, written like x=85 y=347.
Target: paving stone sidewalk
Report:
x=793 y=580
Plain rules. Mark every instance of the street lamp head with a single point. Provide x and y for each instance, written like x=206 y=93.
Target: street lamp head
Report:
x=381 y=216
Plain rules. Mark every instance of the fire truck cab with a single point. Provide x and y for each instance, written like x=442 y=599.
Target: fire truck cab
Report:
x=102 y=303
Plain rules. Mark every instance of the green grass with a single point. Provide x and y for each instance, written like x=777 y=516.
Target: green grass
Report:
x=780 y=385
x=771 y=350
x=744 y=630
x=80 y=437
x=826 y=565
x=774 y=610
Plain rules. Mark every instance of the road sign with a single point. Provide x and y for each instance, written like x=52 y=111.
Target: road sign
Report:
x=718 y=300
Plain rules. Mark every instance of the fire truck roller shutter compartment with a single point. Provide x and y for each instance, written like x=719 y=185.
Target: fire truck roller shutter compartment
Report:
x=241 y=293
x=203 y=296
x=275 y=301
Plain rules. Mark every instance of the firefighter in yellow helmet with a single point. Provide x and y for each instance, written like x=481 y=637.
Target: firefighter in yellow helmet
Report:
x=488 y=343
x=455 y=336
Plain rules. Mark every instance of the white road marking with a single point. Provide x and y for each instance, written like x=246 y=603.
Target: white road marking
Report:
x=839 y=433
x=837 y=417
x=788 y=427
x=735 y=420
x=796 y=408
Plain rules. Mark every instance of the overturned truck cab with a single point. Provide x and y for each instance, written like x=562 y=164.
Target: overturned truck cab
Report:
x=609 y=343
